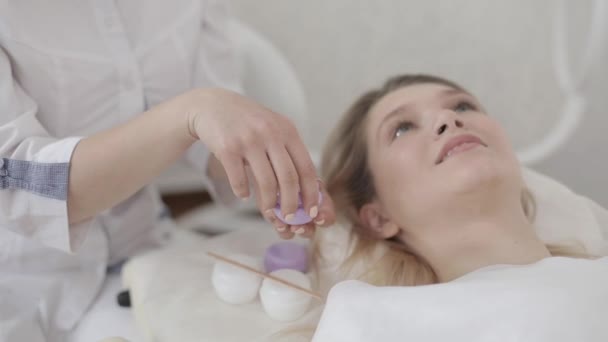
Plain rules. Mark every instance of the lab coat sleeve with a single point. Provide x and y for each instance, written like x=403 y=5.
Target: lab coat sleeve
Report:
x=216 y=66
x=34 y=170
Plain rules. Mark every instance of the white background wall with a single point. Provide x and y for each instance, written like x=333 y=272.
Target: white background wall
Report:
x=500 y=50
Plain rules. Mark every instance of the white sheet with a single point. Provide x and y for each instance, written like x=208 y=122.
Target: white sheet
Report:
x=554 y=300
x=173 y=299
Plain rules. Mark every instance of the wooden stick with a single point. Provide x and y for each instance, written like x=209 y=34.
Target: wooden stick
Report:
x=265 y=275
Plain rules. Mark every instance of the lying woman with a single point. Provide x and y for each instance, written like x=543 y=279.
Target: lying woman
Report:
x=433 y=193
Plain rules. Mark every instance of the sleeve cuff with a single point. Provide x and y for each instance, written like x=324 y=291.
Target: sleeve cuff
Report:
x=41 y=217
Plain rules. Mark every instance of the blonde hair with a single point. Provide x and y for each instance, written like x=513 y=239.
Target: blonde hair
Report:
x=349 y=182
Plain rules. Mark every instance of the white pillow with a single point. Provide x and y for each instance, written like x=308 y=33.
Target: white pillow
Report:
x=564 y=216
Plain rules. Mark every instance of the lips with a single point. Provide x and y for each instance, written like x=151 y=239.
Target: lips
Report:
x=458 y=144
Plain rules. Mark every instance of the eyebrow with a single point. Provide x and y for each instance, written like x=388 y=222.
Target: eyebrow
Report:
x=406 y=108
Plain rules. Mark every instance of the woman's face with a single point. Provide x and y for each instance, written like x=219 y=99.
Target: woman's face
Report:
x=431 y=146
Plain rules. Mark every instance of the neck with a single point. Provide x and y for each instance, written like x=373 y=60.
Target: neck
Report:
x=470 y=244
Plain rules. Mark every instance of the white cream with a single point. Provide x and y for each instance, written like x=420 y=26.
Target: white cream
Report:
x=284 y=303
x=235 y=285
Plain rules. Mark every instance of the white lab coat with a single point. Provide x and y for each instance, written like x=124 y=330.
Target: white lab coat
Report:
x=68 y=69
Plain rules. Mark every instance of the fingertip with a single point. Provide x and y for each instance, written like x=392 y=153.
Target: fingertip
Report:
x=241 y=192
x=324 y=219
x=320 y=222
x=289 y=206
x=287 y=235
x=313 y=212
x=310 y=233
x=270 y=216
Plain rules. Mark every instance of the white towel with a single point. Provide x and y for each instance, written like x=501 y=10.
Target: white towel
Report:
x=555 y=300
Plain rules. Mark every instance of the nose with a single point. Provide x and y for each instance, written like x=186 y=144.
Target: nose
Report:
x=447 y=120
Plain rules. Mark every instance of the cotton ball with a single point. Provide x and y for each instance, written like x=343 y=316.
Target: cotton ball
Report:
x=235 y=285
x=285 y=303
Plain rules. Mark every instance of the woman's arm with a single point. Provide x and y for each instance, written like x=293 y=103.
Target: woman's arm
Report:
x=110 y=166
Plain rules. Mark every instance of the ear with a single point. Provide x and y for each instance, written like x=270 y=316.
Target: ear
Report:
x=373 y=217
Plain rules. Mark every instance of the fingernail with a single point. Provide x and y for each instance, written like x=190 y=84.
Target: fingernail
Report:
x=289 y=217
x=320 y=222
x=281 y=229
x=300 y=231
x=314 y=211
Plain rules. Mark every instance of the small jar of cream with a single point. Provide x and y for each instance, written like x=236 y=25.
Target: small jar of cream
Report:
x=286 y=254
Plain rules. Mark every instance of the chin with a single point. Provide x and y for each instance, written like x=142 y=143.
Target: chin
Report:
x=478 y=170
